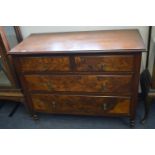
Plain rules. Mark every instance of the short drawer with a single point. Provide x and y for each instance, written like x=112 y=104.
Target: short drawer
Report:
x=68 y=104
x=109 y=63
x=79 y=83
x=39 y=64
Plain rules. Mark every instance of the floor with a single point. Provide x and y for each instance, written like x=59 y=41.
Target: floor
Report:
x=21 y=120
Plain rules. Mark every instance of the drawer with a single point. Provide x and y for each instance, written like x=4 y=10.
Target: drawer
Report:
x=109 y=63
x=79 y=83
x=67 y=104
x=37 y=64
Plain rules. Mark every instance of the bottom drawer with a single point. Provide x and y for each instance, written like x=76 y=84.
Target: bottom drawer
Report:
x=84 y=105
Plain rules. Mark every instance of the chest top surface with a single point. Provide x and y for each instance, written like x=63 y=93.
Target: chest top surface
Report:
x=75 y=42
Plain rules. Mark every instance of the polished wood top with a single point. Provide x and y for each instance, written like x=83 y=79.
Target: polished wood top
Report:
x=75 y=42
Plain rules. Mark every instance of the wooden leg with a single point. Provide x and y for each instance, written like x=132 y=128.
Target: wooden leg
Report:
x=35 y=117
x=147 y=103
x=30 y=111
x=132 y=122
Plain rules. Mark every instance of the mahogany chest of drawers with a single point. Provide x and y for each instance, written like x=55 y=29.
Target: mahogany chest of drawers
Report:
x=81 y=73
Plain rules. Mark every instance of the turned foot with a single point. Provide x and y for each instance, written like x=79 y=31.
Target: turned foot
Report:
x=35 y=117
x=132 y=123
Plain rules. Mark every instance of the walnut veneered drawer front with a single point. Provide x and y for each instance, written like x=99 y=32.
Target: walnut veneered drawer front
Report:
x=57 y=63
x=93 y=105
x=107 y=63
x=79 y=83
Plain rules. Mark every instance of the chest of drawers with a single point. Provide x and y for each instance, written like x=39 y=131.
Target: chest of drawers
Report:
x=80 y=73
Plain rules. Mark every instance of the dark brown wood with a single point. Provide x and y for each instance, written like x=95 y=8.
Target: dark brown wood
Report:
x=86 y=73
x=85 y=105
x=107 y=63
x=135 y=87
x=79 y=42
x=18 y=33
x=79 y=83
x=48 y=64
x=132 y=123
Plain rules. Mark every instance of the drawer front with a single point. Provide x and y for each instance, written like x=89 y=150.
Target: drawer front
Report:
x=41 y=104
x=44 y=64
x=85 y=105
x=79 y=83
x=104 y=63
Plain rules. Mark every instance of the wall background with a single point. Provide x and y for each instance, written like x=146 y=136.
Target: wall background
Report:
x=27 y=30
x=152 y=51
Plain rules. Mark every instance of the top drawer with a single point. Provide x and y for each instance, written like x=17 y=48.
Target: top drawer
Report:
x=108 y=63
x=44 y=63
x=105 y=63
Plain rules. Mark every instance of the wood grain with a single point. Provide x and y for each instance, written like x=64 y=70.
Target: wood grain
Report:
x=109 y=63
x=77 y=42
x=85 y=105
x=44 y=64
x=79 y=83
x=99 y=77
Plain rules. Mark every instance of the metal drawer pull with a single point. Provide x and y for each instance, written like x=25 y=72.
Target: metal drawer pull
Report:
x=49 y=85
x=103 y=87
x=105 y=107
x=53 y=104
x=108 y=106
x=102 y=67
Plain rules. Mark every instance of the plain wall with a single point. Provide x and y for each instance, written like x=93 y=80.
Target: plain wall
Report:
x=27 y=30
x=152 y=51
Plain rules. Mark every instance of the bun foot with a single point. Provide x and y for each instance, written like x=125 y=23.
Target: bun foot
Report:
x=132 y=123
x=35 y=117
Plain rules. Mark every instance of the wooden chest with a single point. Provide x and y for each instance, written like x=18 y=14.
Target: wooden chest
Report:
x=82 y=73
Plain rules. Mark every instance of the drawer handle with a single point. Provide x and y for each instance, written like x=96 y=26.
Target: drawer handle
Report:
x=102 y=67
x=103 y=87
x=54 y=104
x=108 y=106
x=50 y=86
x=105 y=106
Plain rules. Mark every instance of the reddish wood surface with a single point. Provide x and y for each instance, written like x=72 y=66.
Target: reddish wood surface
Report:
x=89 y=63
x=109 y=63
x=77 y=42
x=83 y=82
x=80 y=83
x=45 y=64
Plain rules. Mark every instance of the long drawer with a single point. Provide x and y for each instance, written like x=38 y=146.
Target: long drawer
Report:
x=79 y=83
x=93 y=105
x=107 y=63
